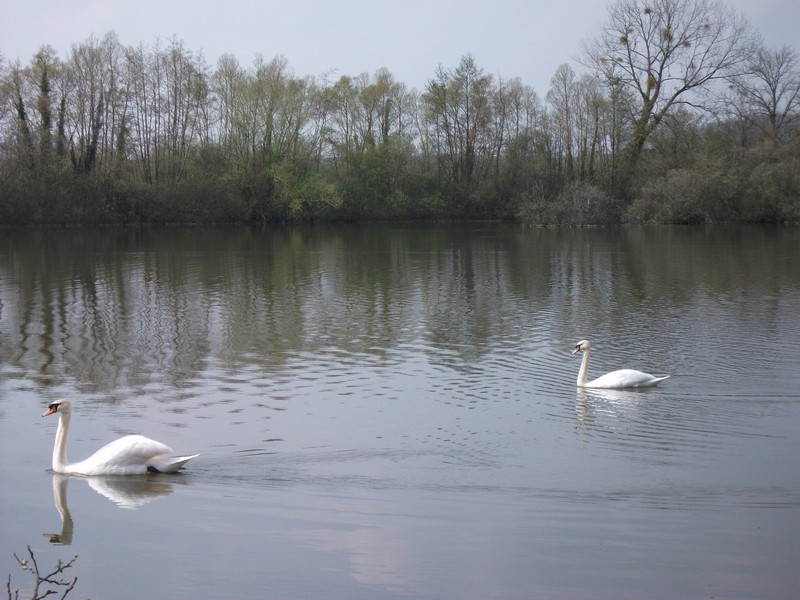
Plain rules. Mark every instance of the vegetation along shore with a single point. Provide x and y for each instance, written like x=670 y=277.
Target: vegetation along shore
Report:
x=677 y=113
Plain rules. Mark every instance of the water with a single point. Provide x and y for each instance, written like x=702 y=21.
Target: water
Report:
x=391 y=412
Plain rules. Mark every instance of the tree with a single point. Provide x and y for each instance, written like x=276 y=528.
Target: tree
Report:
x=44 y=69
x=664 y=51
x=92 y=69
x=458 y=111
x=363 y=123
x=168 y=91
x=562 y=99
x=22 y=130
x=768 y=94
x=518 y=115
x=184 y=92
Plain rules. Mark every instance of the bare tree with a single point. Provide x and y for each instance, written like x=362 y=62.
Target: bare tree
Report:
x=184 y=92
x=591 y=125
x=17 y=86
x=663 y=50
x=562 y=98
x=768 y=95
x=87 y=72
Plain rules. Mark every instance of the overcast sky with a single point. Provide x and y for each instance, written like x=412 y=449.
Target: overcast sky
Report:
x=508 y=38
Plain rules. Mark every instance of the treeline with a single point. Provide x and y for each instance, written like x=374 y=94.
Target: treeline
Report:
x=153 y=134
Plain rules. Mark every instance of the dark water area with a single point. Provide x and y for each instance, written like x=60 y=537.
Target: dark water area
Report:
x=391 y=411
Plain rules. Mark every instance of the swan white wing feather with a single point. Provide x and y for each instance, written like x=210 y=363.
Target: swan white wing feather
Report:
x=170 y=464
x=625 y=378
x=129 y=455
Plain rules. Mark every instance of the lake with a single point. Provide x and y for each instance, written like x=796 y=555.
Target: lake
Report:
x=391 y=411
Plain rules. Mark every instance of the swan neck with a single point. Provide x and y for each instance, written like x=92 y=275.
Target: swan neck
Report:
x=584 y=370
x=60 y=447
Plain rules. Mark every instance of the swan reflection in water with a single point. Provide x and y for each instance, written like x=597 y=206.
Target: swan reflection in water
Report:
x=595 y=406
x=125 y=492
x=60 y=497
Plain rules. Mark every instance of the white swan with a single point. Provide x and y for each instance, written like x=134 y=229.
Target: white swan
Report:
x=129 y=455
x=624 y=378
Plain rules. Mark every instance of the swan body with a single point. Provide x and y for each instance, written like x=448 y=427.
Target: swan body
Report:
x=129 y=455
x=623 y=378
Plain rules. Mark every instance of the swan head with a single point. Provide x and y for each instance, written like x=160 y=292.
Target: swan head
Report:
x=582 y=345
x=62 y=406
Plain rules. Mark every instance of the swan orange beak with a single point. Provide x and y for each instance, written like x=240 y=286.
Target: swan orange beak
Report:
x=49 y=411
x=574 y=352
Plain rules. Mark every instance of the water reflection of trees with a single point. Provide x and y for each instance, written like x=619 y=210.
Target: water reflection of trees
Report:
x=116 y=308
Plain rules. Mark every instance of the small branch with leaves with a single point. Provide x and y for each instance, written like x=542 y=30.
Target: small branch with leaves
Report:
x=54 y=579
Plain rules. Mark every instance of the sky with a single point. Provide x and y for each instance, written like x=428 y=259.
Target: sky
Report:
x=411 y=38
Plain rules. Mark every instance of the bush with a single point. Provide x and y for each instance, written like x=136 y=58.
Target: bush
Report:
x=773 y=192
x=674 y=198
x=759 y=186
x=579 y=205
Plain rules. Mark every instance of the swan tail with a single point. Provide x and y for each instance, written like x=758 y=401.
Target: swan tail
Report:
x=168 y=464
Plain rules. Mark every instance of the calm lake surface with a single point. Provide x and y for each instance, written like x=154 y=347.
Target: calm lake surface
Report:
x=391 y=411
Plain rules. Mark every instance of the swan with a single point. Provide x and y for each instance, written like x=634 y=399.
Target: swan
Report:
x=624 y=378
x=129 y=455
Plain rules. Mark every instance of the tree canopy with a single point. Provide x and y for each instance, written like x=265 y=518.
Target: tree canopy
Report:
x=665 y=53
x=682 y=115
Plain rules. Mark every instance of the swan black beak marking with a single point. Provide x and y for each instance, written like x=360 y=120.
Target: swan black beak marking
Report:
x=50 y=410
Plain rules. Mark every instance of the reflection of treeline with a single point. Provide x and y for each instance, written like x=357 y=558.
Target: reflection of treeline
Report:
x=114 y=134
x=150 y=308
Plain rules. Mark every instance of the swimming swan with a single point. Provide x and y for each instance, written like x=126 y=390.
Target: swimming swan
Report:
x=129 y=455
x=624 y=378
